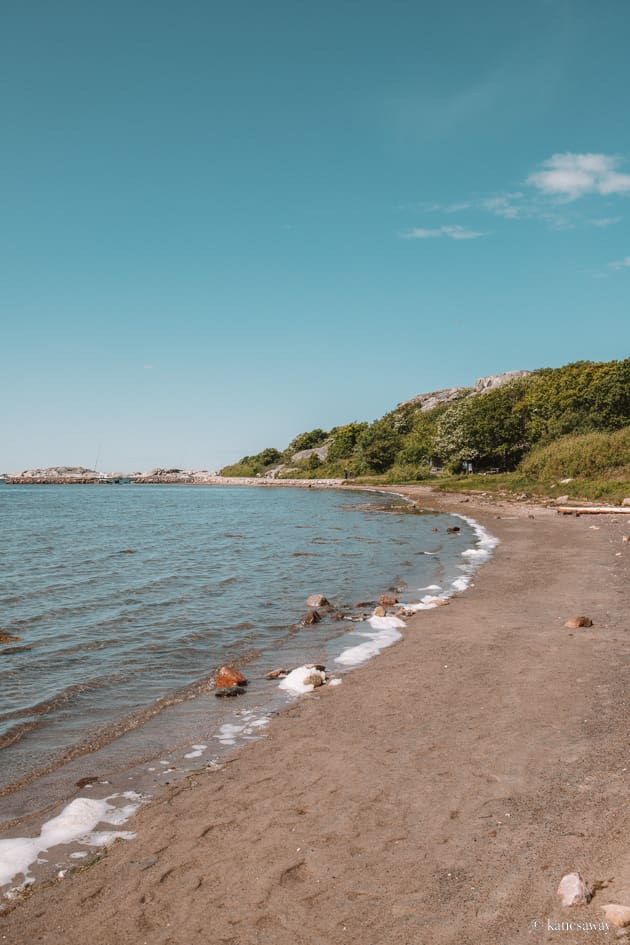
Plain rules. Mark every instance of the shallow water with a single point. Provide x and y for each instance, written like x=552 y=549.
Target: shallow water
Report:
x=127 y=598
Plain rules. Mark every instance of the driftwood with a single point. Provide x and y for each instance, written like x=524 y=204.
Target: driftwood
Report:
x=593 y=510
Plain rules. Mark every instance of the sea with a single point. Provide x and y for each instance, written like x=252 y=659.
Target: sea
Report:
x=125 y=600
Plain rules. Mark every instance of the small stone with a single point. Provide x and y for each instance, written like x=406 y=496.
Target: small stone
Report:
x=452 y=530
x=574 y=622
x=387 y=600
x=561 y=499
x=83 y=782
x=227 y=676
x=315 y=679
x=310 y=618
x=319 y=667
x=617 y=914
x=146 y=863
x=435 y=529
x=574 y=891
x=8 y=638
x=626 y=538
x=230 y=691
x=626 y=502
x=277 y=674
x=378 y=611
x=316 y=600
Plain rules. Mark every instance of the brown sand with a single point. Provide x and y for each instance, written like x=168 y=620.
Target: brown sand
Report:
x=437 y=796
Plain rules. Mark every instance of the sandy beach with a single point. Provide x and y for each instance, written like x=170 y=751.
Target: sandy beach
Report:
x=437 y=796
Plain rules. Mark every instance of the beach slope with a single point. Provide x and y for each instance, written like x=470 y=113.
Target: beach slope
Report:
x=437 y=796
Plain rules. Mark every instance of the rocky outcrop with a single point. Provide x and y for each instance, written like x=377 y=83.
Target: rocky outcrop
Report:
x=493 y=381
x=320 y=451
x=185 y=476
x=52 y=474
x=481 y=386
x=436 y=397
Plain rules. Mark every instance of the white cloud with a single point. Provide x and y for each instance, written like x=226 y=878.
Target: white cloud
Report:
x=620 y=263
x=570 y=176
x=605 y=221
x=454 y=232
x=503 y=205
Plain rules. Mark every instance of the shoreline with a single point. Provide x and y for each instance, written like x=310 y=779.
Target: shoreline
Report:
x=83 y=757
x=383 y=799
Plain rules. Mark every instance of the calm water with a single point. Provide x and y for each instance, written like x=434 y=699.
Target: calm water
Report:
x=108 y=636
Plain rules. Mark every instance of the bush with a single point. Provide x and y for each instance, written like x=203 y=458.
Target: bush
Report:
x=589 y=456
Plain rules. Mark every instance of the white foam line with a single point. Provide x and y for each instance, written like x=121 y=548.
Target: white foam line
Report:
x=75 y=824
x=385 y=632
x=229 y=732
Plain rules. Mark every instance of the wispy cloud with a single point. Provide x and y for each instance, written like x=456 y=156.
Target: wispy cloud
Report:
x=605 y=221
x=454 y=232
x=569 y=176
x=620 y=264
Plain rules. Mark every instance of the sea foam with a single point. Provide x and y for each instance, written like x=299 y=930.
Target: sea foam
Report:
x=75 y=824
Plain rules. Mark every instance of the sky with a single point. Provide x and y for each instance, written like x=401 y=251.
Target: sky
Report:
x=224 y=224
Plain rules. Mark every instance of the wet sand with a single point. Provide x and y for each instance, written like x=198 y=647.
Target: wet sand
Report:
x=437 y=796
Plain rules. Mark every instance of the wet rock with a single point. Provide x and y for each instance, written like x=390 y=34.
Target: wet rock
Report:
x=405 y=612
x=574 y=622
x=452 y=529
x=310 y=618
x=434 y=529
x=387 y=600
x=227 y=676
x=617 y=914
x=8 y=638
x=378 y=611
x=128 y=551
x=365 y=603
x=316 y=600
x=230 y=691
x=314 y=679
x=574 y=891
x=83 y=782
x=319 y=667
x=277 y=674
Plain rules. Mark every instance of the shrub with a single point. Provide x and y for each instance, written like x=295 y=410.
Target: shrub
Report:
x=590 y=455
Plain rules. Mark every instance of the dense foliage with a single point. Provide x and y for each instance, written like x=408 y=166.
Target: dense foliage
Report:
x=493 y=430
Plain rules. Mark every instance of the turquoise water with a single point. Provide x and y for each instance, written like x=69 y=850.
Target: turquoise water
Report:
x=127 y=598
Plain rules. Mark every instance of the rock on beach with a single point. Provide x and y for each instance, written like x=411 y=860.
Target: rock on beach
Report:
x=572 y=623
x=227 y=677
x=573 y=891
x=317 y=600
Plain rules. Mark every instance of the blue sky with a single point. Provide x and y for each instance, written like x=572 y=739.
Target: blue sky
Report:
x=223 y=224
